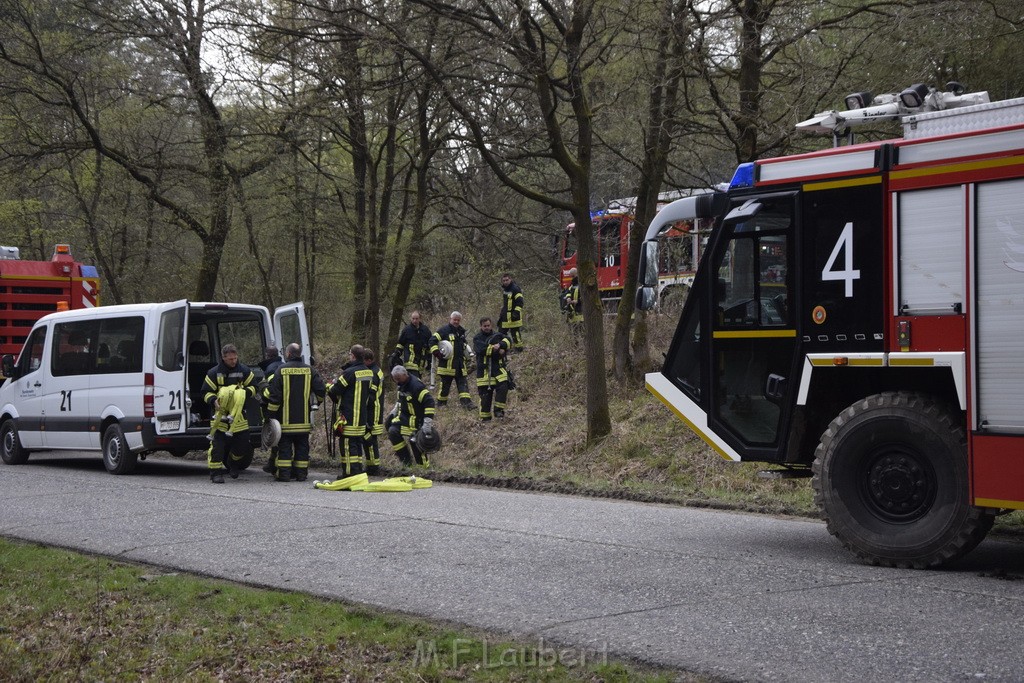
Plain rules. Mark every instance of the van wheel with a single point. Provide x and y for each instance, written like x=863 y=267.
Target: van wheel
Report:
x=116 y=456
x=890 y=478
x=10 y=445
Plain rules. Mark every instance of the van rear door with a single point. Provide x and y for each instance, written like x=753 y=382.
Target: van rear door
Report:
x=290 y=326
x=170 y=393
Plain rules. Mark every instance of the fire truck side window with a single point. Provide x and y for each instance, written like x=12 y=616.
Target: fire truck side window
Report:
x=610 y=239
x=32 y=357
x=752 y=286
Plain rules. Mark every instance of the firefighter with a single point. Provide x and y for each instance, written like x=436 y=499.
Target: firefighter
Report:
x=572 y=305
x=375 y=416
x=291 y=387
x=272 y=360
x=353 y=393
x=229 y=428
x=454 y=366
x=491 y=370
x=415 y=408
x=413 y=349
x=510 y=321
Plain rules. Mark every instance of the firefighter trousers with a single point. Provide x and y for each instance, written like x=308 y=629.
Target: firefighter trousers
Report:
x=351 y=455
x=237 y=445
x=372 y=451
x=493 y=400
x=405 y=450
x=293 y=456
x=463 y=387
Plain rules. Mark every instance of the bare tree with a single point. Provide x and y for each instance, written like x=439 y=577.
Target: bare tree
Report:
x=525 y=62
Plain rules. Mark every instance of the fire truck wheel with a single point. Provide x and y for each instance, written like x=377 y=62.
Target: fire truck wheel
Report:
x=116 y=456
x=890 y=478
x=10 y=445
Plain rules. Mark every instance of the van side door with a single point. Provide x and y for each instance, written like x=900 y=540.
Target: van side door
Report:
x=66 y=413
x=290 y=326
x=167 y=327
x=29 y=385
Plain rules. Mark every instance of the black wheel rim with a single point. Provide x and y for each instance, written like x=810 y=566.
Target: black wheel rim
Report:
x=899 y=483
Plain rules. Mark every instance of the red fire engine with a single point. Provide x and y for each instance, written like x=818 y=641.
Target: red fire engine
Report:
x=859 y=314
x=680 y=247
x=31 y=289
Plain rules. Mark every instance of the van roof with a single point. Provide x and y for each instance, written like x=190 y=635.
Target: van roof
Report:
x=127 y=309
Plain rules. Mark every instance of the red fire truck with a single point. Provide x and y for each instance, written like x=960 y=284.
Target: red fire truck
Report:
x=31 y=289
x=859 y=314
x=680 y=247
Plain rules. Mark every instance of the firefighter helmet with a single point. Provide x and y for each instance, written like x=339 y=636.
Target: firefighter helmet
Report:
x=446 y=348
x=428 y=438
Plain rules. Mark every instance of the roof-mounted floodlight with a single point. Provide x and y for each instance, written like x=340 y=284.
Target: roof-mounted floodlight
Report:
x=917 y=99
x=858 y=100
x=913 y=97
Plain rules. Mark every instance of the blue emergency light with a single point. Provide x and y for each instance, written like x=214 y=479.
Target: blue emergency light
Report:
x=743 y=177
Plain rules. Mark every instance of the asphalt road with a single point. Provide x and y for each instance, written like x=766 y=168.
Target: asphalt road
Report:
x=732 y=596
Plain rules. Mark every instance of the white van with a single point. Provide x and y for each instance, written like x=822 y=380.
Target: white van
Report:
x=128 y=380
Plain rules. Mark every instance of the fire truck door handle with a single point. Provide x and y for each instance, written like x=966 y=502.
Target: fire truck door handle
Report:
x=775 y=387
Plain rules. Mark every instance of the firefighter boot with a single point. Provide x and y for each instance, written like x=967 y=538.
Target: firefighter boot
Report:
x=271 y=466
x=216 y=477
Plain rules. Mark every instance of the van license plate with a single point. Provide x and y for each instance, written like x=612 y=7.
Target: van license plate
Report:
x=170 y=425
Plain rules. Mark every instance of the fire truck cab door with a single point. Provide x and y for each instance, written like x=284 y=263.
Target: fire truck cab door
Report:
x=753 y=335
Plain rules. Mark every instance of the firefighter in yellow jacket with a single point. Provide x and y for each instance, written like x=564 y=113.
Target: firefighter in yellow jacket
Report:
x=452 y=367
x=288 y=401
x=510 y=320
x=353 y=392
x=491 y=370
x=375 y=417
x=414 y=409
x=229 y=429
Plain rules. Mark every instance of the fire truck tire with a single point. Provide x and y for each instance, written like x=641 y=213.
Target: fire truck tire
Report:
x=11 y=450
x=891 y=481
x=117 y=458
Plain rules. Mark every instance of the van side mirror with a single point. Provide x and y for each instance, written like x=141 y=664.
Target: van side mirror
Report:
x=7 y=364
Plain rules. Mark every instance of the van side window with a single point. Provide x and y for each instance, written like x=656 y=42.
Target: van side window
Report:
x=169 y=354
x=74 y=347
x=32 y=356
x=122 y=340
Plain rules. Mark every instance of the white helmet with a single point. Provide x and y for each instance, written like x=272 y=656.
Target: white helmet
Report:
x=446 y=349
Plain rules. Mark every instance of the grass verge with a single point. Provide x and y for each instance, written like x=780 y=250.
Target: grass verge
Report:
x=72 y=617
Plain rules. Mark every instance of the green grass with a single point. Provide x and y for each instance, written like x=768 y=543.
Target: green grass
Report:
x=71 y=617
